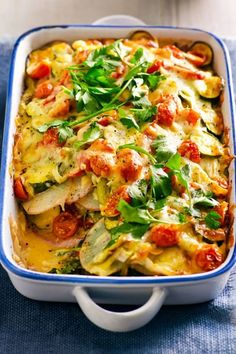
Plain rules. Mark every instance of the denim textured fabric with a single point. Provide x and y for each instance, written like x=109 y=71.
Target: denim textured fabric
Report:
x=33 y=327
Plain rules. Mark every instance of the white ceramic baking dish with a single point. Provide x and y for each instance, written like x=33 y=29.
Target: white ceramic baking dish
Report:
x=90 y=290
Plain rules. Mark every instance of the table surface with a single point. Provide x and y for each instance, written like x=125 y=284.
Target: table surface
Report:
x=213 y=15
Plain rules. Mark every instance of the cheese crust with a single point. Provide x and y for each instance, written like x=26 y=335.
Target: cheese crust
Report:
x=120 y=161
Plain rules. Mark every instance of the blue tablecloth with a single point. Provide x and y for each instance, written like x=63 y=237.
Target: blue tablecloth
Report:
x=32 y=327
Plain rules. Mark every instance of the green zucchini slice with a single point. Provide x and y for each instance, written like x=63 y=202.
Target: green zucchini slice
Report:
x=137 y=35
x=203 y=50
x=208 y=144
x=210 y=87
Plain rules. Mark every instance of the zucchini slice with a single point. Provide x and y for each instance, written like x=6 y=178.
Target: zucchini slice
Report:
x=137 y=35
x=210 y=87
x=203 y=50
x=208 y=144
x=213 y=121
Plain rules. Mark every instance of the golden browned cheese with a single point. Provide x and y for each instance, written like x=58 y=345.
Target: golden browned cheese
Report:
x=120 y=161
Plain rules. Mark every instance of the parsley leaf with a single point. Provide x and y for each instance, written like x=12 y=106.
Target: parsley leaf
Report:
x=133 y=214
x=153 y=80
x=202 y=199
x=90 y=135
x=160 y=183
x=127 y=120
x=138 y=192
x=174 y=163
x=165 y=147
x=144 y=114
x=137 y=56
x=212 y=220
x=64 y=131
x=136 y=230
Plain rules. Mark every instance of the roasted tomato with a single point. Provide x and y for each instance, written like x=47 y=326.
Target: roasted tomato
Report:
x=154 y=67
x=43 y=89
x=101 y=164
x=164 y=236
x=176 y=52
x=186 y=73
x=129 y=164
x=208 y=258
x=19 y=189
x=166 y=111
x=108 y=118
x=102 y=145
x=50 y=137
x=110 y=208
x=101 y=158
x=190 y=150
x=195 y=58
x=60 y=110
x=65 y=225
x=191 y=116
x=41 y=70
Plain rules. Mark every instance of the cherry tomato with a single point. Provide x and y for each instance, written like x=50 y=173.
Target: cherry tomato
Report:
x=129 y=164
x=19 y=189
x=50 y=137
x=195 y=58
x=177 y=53
x=208 y=258
x=101 y=164
x=65 y=225
x=192 y=116
x=151 y=131
x=43 y=90
x=61 y=110
x=164 y=236
x=186 y=73
x=190 y=150
x=112 y=203
x=42 y=69
x=166 y=111
x=102 y=145
x=154 y=67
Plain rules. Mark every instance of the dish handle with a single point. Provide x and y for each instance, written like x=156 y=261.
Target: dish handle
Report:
x=119 y=20
x=120 y=321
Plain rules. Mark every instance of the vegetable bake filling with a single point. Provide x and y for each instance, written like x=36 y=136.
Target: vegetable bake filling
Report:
x=120 y=160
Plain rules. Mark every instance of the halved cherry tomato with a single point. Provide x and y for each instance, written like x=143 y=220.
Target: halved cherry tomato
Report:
x=102 y=145
x=186 y=73
x=129 y=164
x=112 y=203
x=44 y=89
x=154 y=67
x=190 y=150
x=166 y=111
x=42 y=69
x=192 y=116
x=177 y=53
x=65 y=225
x=61 y=110
x=50 y=137
x=195 y=58
x=19 y=189
x=208 y=258
x=164 y=236
x=101 y=164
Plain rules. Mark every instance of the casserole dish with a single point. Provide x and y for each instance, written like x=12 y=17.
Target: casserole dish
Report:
x=87 y=289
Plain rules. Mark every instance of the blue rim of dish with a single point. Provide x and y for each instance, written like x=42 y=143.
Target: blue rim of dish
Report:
x=91 y=279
